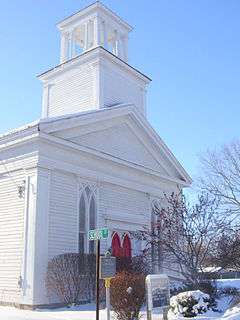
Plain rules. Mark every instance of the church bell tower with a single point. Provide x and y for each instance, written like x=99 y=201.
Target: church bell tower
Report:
x=93 y=72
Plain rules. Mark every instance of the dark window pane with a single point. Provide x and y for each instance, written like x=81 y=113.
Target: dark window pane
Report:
x=82 y=214
x=81 y=243
x=91 y=246
x=88 y=191
x=92 y=214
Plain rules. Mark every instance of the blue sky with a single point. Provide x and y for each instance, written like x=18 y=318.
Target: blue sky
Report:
x=190 y=49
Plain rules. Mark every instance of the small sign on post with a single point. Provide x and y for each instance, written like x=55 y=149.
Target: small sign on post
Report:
x=158 y=294
x=107 y=267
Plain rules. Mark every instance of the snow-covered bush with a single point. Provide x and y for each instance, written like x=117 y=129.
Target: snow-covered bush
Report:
x=189 y=303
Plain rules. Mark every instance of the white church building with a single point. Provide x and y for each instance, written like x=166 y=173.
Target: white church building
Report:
x=92 y=160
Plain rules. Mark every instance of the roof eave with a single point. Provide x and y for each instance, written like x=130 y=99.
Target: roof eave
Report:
x=63 y=23
x=45 y=75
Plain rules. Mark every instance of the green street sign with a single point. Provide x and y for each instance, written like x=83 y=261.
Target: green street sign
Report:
x=98 y=234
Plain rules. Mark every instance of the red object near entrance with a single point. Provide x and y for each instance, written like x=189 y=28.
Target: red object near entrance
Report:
x=116 y=245
x=124 y=250
x=127 y=249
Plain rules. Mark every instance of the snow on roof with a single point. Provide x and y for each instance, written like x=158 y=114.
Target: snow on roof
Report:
x=58 y=118
x=19 y=129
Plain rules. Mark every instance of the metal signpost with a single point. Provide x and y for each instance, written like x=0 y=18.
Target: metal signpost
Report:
x=107 y=272
x=158 y=294
x=97 y=235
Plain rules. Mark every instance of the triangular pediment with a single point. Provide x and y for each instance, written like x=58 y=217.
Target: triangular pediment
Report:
x=121 y=134
x=121 y=142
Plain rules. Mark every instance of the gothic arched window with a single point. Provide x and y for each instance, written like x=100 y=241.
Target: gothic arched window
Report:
x=92 y=221
x=87 y=220
x=127 y=247
x=116 y=245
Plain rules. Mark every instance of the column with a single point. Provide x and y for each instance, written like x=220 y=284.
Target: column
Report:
x=97 y=32
x=35 y=255
x=125 y=48
x=28 y=264
x=70 y=46
x=116 y=43
x=120 y=48
x=105 y=36
x=45 y=100
x=86 y=27
x=73 y=44
x=41 y=236
x=64 y=47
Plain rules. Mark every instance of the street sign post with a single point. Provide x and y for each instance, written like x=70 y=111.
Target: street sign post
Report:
x=158 y=294
x=97 y=235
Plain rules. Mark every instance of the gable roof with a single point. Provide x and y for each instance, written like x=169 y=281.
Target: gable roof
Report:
x=54 y=125
x=67 y=122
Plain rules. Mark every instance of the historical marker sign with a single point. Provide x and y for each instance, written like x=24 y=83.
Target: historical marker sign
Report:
x=98 y=234
x=158 y=293
x=107 y=267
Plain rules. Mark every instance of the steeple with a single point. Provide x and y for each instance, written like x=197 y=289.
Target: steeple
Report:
x=93 y=72
x=91 y=27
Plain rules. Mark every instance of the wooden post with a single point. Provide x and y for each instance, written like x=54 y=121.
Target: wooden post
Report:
x=108 y=304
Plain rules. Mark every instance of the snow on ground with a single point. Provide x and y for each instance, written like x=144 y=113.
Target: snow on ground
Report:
x=225 y=283
x=86 y=312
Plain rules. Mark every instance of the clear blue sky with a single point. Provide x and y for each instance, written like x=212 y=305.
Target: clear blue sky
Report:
x=190 y=49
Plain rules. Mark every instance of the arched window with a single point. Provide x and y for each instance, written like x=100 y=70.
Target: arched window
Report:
x=127 y=248
x=116 y=245
x=92 y=221
x=87 y=220
x=82 y=224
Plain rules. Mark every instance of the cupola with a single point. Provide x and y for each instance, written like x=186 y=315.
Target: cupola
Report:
x=94 y=72
x=91 y=27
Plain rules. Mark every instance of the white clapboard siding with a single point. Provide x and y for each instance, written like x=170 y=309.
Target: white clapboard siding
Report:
x=121 y=89
x=117 y=199
x=11 y=237
x=121 y=142
x=63 y=214
x=72 y=93
x=122 y=205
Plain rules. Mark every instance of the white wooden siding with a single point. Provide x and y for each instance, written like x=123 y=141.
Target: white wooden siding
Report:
x=63 y=214
x=11 y=237
x=120 y=142
x=122 y=209
x=72 y=93
x=120 y=88
x=118 y=202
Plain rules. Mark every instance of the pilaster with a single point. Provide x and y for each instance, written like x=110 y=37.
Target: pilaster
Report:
x=27 y=273
x=35 y=242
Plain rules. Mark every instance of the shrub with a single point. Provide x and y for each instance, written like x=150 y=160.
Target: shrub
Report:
x=71 y=277
x=205 y=286
x=127 y=295
x=137 y=264
x=189 y=303
x=233 y=295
